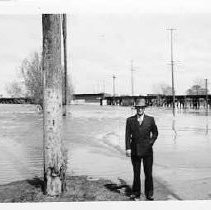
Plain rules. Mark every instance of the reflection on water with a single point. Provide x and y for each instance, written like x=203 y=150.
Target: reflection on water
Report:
x=207 y=129
x=174 y=129
x=182 y=150
x=207 y=126
x=207 y=120
x=186 y=129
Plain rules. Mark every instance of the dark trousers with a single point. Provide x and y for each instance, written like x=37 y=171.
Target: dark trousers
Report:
x=147 y=163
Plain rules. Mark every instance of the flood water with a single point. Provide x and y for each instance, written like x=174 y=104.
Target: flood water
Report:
x=94 y=137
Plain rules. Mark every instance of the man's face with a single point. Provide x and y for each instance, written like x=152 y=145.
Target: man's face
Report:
x=140 y=110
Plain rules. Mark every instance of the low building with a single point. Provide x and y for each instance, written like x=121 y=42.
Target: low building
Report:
x=97 y=98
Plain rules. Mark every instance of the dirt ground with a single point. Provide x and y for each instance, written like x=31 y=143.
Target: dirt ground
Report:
x=79 y=188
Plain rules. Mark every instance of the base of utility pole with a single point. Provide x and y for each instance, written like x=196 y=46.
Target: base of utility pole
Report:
x=64 y=110
x=55 y=157
x=55 y=154
x=53 y=184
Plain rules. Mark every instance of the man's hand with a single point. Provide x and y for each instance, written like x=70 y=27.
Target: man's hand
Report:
x=151 y=142
x=128 y=152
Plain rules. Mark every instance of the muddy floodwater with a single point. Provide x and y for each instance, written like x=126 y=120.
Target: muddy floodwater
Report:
x=94 y=137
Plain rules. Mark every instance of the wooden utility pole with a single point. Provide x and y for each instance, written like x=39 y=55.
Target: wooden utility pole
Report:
x=206 y=88
x=132 y=79
x=172 y=70
x=64 y=32
x=114 y=77
x=54 y=162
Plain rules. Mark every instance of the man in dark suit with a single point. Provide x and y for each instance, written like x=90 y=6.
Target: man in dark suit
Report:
x=141 y=133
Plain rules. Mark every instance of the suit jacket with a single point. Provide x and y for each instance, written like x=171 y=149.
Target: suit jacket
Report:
x=140 y=138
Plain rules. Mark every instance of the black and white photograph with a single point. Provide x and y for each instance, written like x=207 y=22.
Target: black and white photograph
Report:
x=105 y=101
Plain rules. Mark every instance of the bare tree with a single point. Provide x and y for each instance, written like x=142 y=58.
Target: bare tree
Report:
x=199 y=81
x=198 y=87
x=31 y=72
x=196 y=90
x=15 y=89
x=162 y=88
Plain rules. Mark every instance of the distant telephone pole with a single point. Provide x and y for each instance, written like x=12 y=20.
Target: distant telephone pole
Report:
x=132 y=79
x=206 y=88
x=114 y=77
x=64 y=31
x=172 y=69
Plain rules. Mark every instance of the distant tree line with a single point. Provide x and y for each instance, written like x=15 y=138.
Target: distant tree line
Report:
x=198 y=88
x=162 y=88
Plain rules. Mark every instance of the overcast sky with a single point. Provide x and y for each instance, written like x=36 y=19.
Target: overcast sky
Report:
x=103 y=44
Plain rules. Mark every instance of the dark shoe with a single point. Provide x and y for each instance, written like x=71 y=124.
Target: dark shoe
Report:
x=150 y=198
x=134 y=197
x=137 y=198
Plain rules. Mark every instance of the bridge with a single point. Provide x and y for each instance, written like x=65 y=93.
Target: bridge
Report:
x=181 y=101
x=21 y=100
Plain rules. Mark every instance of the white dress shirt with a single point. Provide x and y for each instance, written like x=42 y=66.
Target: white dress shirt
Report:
x=140 y=118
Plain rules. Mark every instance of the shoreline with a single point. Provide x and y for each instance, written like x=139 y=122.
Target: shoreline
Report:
x=79 y=189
